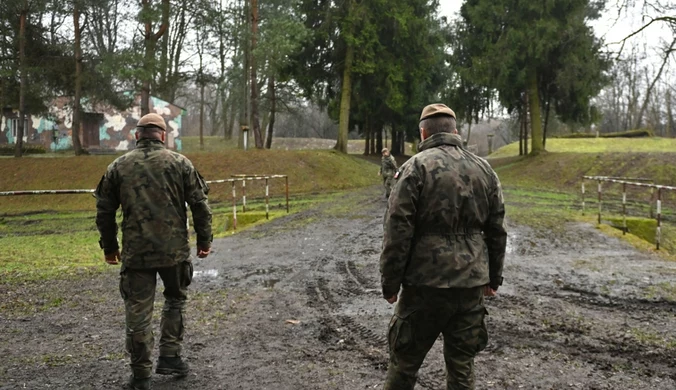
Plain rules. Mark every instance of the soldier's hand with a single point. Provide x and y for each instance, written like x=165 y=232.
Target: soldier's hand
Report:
x=113 y=258
x=379 y=174
x=391 y=300
x=203 y=252
x=489 y=292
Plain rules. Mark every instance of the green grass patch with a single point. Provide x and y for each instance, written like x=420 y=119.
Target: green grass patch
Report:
x=64 y=245
x=598 y=145
x=308 y=171
x=664 y=290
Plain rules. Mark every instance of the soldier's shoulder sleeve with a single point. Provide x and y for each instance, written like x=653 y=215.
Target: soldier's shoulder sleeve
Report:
x=399 y=226
x=495 y=234
x=107 y=202
x=196 y=188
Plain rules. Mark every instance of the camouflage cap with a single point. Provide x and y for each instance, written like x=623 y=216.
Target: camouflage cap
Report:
x=436 y=109
x=385 y=150
x=152 y=120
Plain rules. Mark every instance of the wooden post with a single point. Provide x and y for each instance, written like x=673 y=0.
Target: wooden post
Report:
x=244 y=195
x=267 y=198
x=652 y=199
x=234 y=206
x=600 y=204
x=582 y=196
x=624 y=208
x=658 y=233
x=287 y=194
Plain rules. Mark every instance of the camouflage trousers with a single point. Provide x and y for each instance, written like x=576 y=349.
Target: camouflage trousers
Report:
x=137 y=287
x=388 y=182
x=420 y=316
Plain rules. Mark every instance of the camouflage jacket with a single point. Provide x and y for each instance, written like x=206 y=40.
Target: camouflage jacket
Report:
x=153 y=185
x=444 y=223
x=388 y=165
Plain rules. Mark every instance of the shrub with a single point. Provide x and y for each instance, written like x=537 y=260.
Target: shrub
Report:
x=8 y=150
x=622 y=134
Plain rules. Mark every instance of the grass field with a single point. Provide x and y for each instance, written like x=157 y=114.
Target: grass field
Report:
x=598 y=145
x=213 y=144
x=544 y=191
x=55 y=235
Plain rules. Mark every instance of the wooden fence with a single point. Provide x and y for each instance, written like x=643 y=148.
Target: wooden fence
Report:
x=656 y=193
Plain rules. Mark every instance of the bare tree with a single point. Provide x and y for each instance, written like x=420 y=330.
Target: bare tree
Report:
x=150 y=42
x=18 y=149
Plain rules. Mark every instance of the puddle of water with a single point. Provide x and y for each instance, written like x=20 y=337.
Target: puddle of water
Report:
x=270 y=283
x=511 y=238
x=210 y=273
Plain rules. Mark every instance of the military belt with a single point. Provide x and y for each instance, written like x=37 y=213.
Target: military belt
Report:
x=466 y=232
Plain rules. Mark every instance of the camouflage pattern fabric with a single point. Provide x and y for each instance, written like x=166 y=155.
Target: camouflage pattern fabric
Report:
x=421 y=315
x=137 y=287
x=387 y=183
x=444 y=223
x=388 y=167
x=152 y=184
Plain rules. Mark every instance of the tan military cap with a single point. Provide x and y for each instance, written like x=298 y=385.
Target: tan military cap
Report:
x=435 y=110
x=152 y=120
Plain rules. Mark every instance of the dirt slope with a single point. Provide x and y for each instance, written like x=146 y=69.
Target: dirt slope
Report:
x=578 y=311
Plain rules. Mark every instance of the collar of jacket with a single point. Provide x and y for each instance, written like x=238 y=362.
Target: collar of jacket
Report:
x=149 y=143
x=440 y=139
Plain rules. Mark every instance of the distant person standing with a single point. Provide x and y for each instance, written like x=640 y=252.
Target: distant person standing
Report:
x=388 y=167
x=153 y=184
x=444 y=246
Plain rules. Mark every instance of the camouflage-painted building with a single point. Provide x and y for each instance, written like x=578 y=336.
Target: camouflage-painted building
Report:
x=104 y=128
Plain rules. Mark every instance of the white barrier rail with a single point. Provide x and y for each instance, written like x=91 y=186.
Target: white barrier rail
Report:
x=633 y=182
x=234 y=180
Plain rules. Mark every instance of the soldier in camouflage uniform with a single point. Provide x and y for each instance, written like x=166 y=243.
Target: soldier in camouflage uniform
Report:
x=153 y=185
x=444 y=245
x=388 y=166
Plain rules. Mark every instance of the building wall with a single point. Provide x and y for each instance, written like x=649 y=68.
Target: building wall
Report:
x=117 y=130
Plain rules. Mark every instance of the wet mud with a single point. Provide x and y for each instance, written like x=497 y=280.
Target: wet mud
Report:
x=295 y=305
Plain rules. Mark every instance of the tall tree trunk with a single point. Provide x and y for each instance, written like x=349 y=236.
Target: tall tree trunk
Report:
x=373 y=139
x=201 y=108
x=255 y=120
x=379 y=138
x=521 y=126
x=164 y=64
x=231 y=115
x=394 y=149
x=469 y=132
x=150 y=41
x=367 y=141
x=273 y=111
x=544 y=131
x=401 y=143
x=345 y=98
x=18 y=148
x=535 y=115
x=77 y=110
x=346 y=88
x=244 y=110
x=228 y=113
x=670 y=116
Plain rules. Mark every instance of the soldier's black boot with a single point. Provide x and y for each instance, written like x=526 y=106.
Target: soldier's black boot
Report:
x=173 y=365
x=139 y=384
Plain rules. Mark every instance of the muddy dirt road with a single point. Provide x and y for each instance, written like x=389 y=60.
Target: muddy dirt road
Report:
x=295 y=304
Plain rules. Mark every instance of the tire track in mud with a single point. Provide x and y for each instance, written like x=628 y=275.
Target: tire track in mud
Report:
x=583 y=340
x=372 y=345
